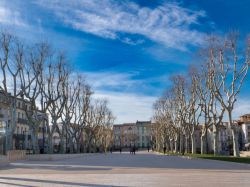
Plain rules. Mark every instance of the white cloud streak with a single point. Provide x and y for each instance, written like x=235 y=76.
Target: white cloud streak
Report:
x=128 y=107
x=10 y=17
x=111 y=79
x=242 y=106
x=168 y=24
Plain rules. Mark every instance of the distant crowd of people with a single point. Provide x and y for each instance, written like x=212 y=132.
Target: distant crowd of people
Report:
x=132 y=149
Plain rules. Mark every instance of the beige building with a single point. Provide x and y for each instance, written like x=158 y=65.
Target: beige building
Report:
x=245 y=130
x=22 y=133
x=130 y=134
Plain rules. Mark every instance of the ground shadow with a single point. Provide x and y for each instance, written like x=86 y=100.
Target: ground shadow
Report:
x=50 y=182
x=141 y=160
x=57 y=167
x=151 y=160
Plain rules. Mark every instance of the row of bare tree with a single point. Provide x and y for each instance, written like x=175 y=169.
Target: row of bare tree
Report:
x=44 y=80
x=204 y=97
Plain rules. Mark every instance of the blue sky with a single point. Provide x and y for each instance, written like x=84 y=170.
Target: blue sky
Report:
x=128 y=49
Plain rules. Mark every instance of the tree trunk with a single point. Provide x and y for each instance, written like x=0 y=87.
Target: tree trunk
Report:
x=62 y=145
x=34 y=142
x=203 y=144
x=71 y=146
x=78 y=145
x=235 y=142
x=171 y=145
x=181 y=143
x=176 y=144
x=186 y=144
x=235 y=135
x=50 y=144
x=193 y=141
x=9 y=141
x=216 y=140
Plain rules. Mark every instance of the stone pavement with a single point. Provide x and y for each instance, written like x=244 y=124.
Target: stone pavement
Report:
x=142 y=169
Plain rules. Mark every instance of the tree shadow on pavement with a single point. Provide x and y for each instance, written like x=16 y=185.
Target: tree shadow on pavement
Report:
x=14 y=184
x=107 y=162
x=47 y=182
x=56 y=167
x=151 y=160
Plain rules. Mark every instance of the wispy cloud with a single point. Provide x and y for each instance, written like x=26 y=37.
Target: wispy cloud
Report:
x=106 y=80
x=168 y=24
x=10 y=17
x=128 y=107
x=242 y=106
x=126 y=95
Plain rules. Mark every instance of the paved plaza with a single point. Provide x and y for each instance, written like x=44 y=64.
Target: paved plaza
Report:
x=142 y=169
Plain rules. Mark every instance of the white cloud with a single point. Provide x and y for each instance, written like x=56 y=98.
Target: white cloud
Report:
x=242 y=106
x=111 y=79
x=128 y=107
x=168 y=24
x=10 y=17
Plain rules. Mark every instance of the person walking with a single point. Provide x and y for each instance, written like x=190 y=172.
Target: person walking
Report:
x=120 y=150
x=148 y=148
x=134 y=149
x=164 y=150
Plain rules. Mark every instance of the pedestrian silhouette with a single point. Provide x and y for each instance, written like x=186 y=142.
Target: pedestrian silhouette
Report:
x=134 y=150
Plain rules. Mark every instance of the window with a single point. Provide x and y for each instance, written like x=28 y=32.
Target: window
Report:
x=18 y=104
x=17 y=131
x=18 y=114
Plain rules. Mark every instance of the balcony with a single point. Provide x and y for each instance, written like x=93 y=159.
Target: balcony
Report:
x=22 y=121
x=21 y=136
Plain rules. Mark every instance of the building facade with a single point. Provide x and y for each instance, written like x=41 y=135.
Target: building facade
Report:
x=132 y=134
x=245 y=130
x=21 y=136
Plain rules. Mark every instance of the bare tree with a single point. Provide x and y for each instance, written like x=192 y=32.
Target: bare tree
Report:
x=52 y=83
x=194 y=108
x=103 y=122
x=31 y=90
x=72 y=93
x=230 y=70
x=11 y=60
x=81 y=111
